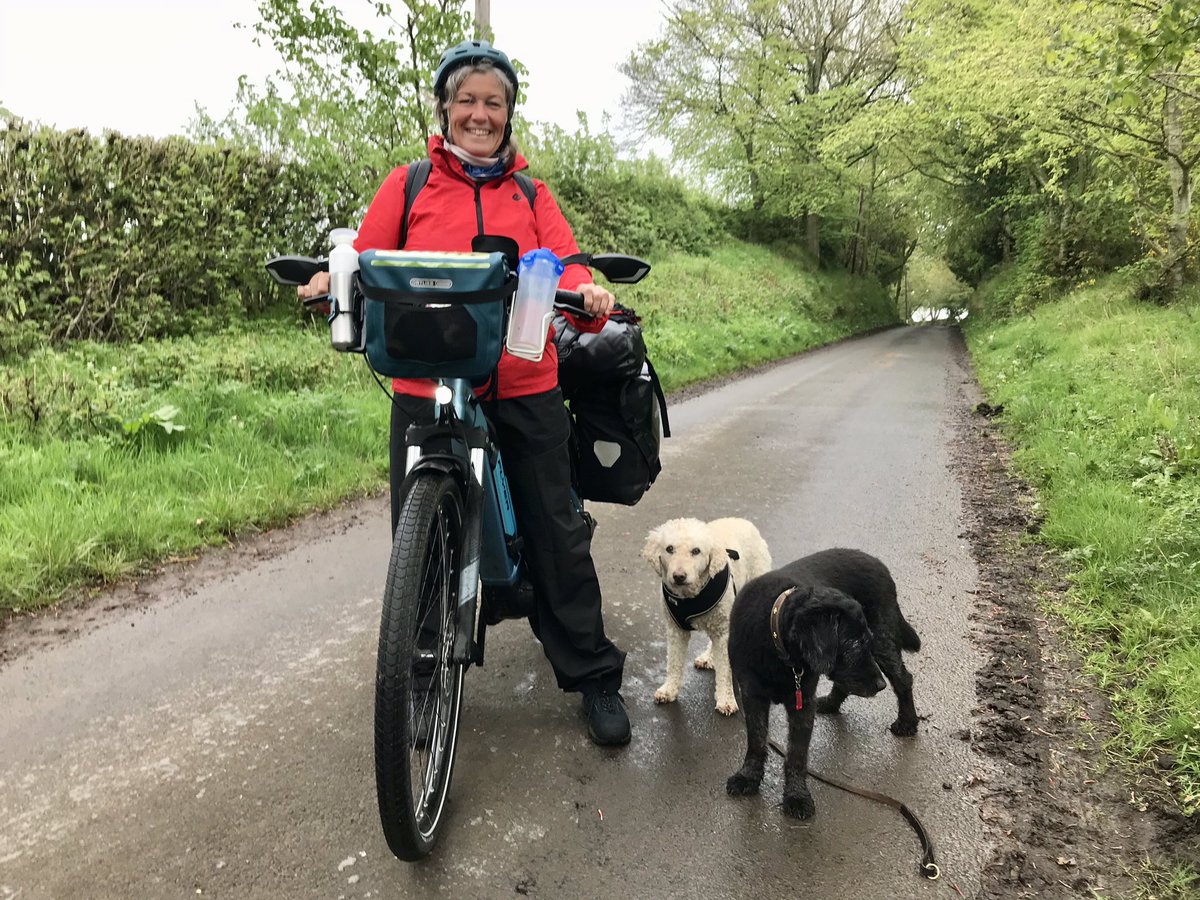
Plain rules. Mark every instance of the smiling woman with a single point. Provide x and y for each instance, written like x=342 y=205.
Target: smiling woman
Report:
x=474 y=190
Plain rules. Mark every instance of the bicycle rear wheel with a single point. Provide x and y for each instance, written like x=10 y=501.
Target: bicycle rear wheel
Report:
x=418 y=687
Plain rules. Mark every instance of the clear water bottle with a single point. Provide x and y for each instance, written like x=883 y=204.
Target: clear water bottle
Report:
x=343 y=263
x=533 y=305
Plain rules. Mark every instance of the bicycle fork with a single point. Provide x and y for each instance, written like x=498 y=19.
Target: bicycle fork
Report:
x=468 y=648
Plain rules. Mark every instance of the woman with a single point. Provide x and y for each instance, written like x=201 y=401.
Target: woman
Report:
x=471 y=190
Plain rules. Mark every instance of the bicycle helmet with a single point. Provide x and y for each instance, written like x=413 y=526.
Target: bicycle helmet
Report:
x=469 y=52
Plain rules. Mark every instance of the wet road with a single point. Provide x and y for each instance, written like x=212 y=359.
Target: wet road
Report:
x=219 y=742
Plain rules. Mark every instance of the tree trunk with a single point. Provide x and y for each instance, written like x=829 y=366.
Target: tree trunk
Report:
x=1179 y=176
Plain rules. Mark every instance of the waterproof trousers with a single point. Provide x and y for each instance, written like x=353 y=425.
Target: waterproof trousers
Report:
x=533 y=434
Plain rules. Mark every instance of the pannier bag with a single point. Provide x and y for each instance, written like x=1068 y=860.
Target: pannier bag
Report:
x=434 y=315
x=618 y=410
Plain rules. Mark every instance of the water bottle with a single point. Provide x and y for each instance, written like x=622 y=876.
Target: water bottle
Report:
x=533 y=305
x=343 y=263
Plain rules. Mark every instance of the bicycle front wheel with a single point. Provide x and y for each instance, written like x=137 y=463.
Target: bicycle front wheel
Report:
x=418 y=686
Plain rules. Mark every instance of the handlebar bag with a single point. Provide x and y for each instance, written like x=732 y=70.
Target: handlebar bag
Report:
x=430 y=315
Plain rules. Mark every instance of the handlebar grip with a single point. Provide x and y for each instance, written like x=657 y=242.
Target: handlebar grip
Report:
x=318 y=300
x=571 y=301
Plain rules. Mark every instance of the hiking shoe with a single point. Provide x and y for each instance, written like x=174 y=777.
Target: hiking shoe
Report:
x=608 y=723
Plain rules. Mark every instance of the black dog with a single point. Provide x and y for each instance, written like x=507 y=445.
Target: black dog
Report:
x=833 y=613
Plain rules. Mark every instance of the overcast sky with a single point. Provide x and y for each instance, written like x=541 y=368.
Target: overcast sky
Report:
x=141 y=66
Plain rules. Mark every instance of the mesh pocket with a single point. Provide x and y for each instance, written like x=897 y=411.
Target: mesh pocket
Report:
x=428 y=335
x=456 y=340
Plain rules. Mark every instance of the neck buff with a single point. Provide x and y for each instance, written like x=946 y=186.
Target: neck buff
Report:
x=481 y=168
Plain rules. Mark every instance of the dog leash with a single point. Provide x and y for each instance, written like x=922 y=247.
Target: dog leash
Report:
x=928 y=868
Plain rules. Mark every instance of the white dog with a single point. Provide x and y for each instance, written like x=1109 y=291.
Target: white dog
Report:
x=702 y=565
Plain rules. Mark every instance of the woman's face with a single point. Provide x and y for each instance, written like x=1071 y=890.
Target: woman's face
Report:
x=478 y=114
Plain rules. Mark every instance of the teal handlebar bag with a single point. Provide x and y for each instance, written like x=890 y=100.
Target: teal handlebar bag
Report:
x=434 y=315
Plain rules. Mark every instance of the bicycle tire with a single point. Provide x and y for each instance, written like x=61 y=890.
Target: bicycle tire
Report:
x=418 y=687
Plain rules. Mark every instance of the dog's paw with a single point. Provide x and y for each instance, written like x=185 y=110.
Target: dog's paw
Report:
x=827 y=708
x=901 y=728
x=739 y=785
x=666 y=694
x=727 y=707
x=703 y=661
x=800 y=806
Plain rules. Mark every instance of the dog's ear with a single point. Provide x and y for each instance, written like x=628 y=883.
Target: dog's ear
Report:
x=815 y=634
x=651 y=552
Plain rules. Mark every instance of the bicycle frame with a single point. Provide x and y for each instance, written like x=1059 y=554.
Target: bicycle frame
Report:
x=459 y=442
x=456 y=567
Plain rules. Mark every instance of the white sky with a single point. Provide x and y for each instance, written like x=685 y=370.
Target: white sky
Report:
x=141 y=66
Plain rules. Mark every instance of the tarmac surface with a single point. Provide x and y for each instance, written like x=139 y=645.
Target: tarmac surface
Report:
x=209 y=731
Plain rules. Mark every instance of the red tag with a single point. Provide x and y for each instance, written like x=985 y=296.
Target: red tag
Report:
x=799 y=700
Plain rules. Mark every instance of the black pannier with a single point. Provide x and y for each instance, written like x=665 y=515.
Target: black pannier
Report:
x=617 y=406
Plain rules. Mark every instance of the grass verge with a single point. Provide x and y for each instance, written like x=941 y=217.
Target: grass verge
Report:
x=113 y=458
x=1101 y=395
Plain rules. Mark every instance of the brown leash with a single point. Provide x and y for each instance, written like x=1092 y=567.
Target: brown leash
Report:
x=928 y=868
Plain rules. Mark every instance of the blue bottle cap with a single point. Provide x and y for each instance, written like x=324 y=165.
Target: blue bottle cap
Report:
x=541 y=253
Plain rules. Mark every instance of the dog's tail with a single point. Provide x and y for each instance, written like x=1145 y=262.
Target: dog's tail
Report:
x=909 y=639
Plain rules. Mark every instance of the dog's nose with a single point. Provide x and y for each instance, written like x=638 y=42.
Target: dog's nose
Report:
x=679 y=578
x=880 y=684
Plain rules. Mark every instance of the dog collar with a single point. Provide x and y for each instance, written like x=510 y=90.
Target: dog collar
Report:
x=776 y=610
x=684 y=609
x=798 y=673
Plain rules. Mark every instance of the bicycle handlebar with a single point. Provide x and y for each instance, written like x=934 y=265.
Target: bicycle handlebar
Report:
x=572 y=302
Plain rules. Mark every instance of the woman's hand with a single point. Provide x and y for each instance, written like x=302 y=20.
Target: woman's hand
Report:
x=317 y=286
x=596 y=300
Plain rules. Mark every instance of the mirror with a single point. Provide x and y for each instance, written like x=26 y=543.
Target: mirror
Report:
x=294 y=270
x=620 y=269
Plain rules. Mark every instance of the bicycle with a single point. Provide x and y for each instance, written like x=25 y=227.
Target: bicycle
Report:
x=456 y=567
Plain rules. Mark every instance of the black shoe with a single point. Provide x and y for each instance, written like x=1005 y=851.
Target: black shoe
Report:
x=608 y=723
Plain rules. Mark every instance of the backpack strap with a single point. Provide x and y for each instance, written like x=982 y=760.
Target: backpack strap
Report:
x=662 y=400
x=414 y=180
x=528 y=188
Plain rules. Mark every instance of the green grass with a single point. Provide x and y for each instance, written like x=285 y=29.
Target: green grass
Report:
x=113 y=458
x=744 y=305
x=1101 y=397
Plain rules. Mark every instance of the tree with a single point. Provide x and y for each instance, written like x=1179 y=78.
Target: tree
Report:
x=1142 y=111
x=348 y=103
x=748 y=91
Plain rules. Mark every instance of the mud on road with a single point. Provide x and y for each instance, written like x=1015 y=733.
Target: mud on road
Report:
x=1062 y=825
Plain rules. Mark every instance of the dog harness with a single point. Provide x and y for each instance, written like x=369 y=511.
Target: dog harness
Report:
x=776 y=610
x=684 y=609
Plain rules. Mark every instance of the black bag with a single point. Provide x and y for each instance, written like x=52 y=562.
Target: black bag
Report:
x=618 y=410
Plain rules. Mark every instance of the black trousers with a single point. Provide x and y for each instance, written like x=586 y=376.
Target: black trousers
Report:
x=532 y=433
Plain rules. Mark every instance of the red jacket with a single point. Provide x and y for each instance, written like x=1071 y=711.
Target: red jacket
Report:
x=447 y=214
